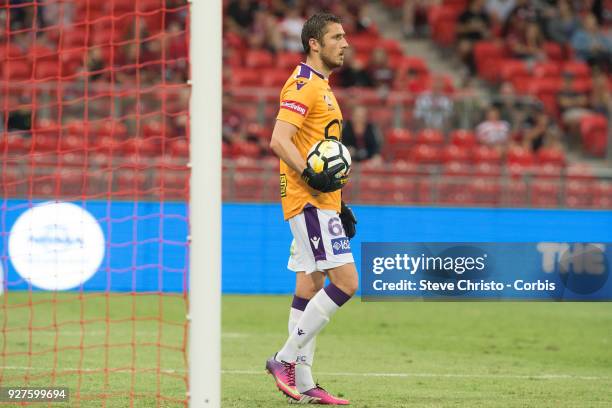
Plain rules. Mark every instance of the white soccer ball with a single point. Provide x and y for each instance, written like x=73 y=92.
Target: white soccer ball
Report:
x=328 y=153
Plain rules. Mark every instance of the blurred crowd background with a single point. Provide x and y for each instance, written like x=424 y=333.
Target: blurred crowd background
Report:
x=487 y=102
x=450 y=102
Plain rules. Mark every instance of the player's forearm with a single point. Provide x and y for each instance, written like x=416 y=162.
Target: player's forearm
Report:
x=287 y=152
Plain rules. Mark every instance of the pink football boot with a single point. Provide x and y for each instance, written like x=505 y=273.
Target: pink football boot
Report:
x=318 y=395
x=284 y=375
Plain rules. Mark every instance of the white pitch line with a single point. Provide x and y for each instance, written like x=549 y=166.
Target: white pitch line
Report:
x=349 y=374
x=448 y=375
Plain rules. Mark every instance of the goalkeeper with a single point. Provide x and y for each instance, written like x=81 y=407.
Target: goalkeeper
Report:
x=312 y=204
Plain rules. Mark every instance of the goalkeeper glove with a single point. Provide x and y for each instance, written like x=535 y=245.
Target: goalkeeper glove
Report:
x=348 y=220
x=326 y=180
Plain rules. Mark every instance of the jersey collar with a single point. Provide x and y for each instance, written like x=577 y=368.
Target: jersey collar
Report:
x=305 y=66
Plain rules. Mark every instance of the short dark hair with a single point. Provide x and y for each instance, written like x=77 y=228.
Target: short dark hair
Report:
x=314 y=27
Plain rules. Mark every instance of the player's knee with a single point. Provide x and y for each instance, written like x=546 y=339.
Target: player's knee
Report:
x=351 y=286
x=347 y=285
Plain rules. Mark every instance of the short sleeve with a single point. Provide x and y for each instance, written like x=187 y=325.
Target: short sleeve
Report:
x=297 y=101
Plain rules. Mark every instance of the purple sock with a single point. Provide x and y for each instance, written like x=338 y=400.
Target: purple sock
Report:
x=336 y=294
x=299 y=303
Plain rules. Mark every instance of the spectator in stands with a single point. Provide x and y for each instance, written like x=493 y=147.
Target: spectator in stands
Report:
x=522 y=13
x=241 y=14
x=361 y=136
x=527 y=45
x=59 y=13
x=233 y=126
x=499 y=10
x=96 y=65
x=573 y=105
x=494 y=131
x=353 y=72
x=291 y=28
x=513 y=108
x=540 y=130
x=562 y=25
x=601 y=97
x=19 y=117
x=433 y=109
x=412 y=80
x=264 y=33
x=591 y=45
x=414 y=15
x=473 y=25
x=379 y=69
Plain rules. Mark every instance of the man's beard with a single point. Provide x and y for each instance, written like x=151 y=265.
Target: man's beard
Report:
x=331 y=65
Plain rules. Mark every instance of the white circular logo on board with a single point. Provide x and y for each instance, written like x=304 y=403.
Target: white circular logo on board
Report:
x=56 y=246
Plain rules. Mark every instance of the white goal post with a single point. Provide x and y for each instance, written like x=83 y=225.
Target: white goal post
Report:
x=205 y=205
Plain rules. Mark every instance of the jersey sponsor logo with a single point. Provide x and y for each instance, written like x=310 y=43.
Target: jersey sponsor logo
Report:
x=294 y=106
x=315 y=241
x=283 y=185
x=341 y=245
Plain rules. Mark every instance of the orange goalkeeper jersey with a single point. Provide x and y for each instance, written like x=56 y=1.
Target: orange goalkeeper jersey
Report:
x=307 y=102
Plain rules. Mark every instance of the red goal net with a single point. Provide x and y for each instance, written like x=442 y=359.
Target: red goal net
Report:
x=94 y=182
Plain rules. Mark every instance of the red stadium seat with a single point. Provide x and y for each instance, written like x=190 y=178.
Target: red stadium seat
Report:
x=454 y=153
x=245 y=77
x=247 y=149
x=130 y=180
x=486 y=191
x=415 y=64
x=47 y=70
x=602 y=198
x=488 y=55
x=577 y=68
x=547 y=171
x=258 y=59
x=275 y=77
x=456 y=169
x=544 y=193
x=464 y=138
x=443 y=21
x=364 y=43
x=551 y=155
x=398 y=144
x=171 y=184
x=288 y=60
x=179 y=147
x=392 y=47
x=426 y=154
x=546 y=69
x=579 y=194
x=515 y=193
x=519 y=155
x=430 y=136
x=594 y=134
x=579 y=171
x=16 y=70
x=512 y=68
x=553 y=51
x=485 y=154
x=485 y=170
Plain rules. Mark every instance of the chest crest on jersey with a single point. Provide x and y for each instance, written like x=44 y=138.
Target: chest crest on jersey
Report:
x=329 y=102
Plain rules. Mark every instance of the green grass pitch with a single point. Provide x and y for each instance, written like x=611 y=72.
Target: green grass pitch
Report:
x=415 y=354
